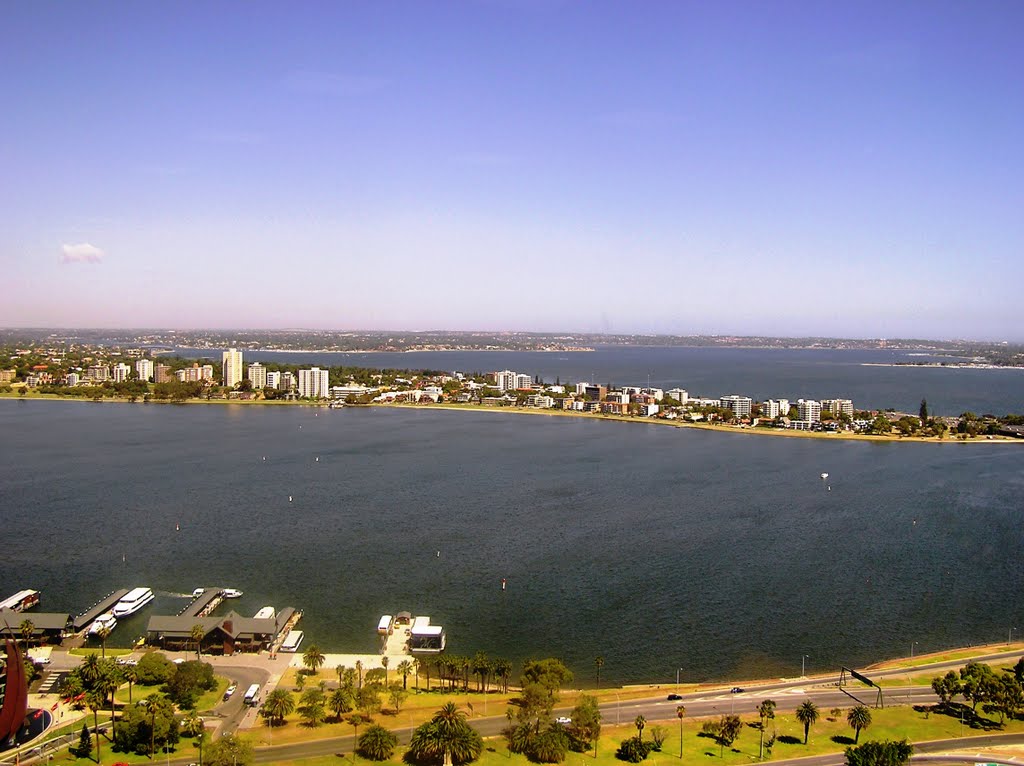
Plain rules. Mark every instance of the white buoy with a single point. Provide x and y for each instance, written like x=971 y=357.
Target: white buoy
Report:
x=318 y=460
x=439 y=554
x=289 y=498
x=177 y=527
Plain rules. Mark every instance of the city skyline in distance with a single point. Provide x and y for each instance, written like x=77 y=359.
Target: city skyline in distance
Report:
x=789 y=170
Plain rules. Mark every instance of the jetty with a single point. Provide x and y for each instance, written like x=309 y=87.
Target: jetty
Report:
x=204 y=603
x=86 y=618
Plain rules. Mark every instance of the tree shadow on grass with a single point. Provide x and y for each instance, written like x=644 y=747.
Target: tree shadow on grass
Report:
x=789 y=739
x=842 y=739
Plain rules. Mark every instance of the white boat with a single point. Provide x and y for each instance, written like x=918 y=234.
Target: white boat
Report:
x=105 y=620
x=231 y=593
x=265 y=613
x=292 y=641
x=824 y=476
x=133 y=601
x=198 y=592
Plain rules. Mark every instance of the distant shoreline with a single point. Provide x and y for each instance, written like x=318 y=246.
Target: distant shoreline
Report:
x=779 y=432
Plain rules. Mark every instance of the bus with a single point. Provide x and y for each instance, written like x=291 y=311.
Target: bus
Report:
x=252 y=695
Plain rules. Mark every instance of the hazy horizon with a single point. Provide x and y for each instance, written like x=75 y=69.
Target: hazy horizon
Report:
x=789 y=169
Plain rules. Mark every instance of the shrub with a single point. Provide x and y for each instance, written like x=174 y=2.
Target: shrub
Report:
x=634 y=750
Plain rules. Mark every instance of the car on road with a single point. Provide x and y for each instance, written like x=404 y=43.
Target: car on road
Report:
x=126 y=659
x=674 y=697
x=229 y=691
x=736 y=690
x=564 y=720
x=40 y=660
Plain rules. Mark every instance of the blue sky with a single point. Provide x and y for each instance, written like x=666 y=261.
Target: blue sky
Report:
x=754 y=168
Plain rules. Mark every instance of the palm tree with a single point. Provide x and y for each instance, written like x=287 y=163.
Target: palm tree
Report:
x=807 y=714
x=446 y=737
x=355 y=721
x=96 y=700
x=404 y=670
x=27 y=628
x=90 y=669
x=103 y=634
x=859 y=718
x=131 y=676
x=197 y=634
x=766 y=711
x=340 y=670
x=340 y=702
x=377 y=743
x=278 y=704
x=313 y=658
x=192 y=724
x=359 y=670
x=599 y=663
x=680 y=712
x=640 y=723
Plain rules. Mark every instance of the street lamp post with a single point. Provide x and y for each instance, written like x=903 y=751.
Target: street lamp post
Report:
x=1009 y=638
x=912 y=645
x=803 y=665
x=677 y=680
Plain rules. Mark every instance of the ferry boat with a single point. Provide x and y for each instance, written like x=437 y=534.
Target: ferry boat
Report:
x=231 y=593
x=292 y=641
x=20 y=601
x=265 y=613
x=425 y=638
x=133 y=601
x=198 y=592
x=105 y=620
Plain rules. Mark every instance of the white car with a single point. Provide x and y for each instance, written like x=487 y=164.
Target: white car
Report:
x=564 y=720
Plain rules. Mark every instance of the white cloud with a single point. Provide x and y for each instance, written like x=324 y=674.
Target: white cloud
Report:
x=83 y=252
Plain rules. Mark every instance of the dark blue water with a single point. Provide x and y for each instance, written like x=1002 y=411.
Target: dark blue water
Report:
x=713 y=372
x=658 y=548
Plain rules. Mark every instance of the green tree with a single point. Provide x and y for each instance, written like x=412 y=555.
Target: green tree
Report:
x=188 y=681
x=131 y=677
x=884 y=753
x=229 y=750
x=368 y=700
x=680 y=714
x=633 y=750
x=550 y=745
x=807 y=714
x=640 y=722
x=27 y=628
x=197 y=634
x=859 y=718
x=446 y=738
x=977 y=682
x=355 y=721
x=396 y=696
x=154 y=668
x=96 y=700
x=766 y=712
x=103 y=634
x=377 y=743
x=923 y=412
x=405 y=670
x=340 y=702
x=384 y=662
x=881 y=425
x=311 y=707
x=313 y=658
x=84 y=747
x=586 y=723
x=278 y=705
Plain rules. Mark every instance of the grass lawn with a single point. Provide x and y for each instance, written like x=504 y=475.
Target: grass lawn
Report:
x=84 y=651
x=953 y=654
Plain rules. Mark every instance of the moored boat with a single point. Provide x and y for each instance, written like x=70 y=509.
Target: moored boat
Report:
x=105 y=620
x=231 y=593
x=133 y=601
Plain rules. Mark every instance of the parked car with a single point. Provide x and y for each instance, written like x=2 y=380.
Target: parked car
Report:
x=229 y=691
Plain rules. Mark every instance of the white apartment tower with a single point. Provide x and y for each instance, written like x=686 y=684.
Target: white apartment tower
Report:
x=258 y=375
x=809 y=410
x=233 y=370
x=313 y=384
x=505 y=380
x=273 y=379
x=121 y=372
x=740 y=405
x=144 y=369
x=838 y=406
x=770 y=409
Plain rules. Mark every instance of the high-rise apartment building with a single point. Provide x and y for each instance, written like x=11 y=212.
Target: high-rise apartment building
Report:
x=809 y=410
x=233 y=370
x=144 y=369
x=121 y=372
x=313 y=384
x=838 y=406
x=162 y=373
x=740 y=405
x=273 y=380
x=257 y=375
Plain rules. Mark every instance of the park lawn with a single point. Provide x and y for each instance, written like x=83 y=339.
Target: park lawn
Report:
x=827 y=736
x=85 y=651
x=955 y=654
x=209 y=700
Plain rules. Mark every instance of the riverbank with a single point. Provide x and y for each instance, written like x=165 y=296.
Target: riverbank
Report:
x=728 y=429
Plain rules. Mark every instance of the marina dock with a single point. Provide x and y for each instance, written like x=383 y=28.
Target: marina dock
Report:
x=85 y=619
x=204 y=603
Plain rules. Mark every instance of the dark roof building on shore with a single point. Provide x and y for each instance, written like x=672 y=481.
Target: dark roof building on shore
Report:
x=46 y=626
x=222 y=635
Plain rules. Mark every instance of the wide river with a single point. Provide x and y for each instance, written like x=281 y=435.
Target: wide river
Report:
x=723 y=555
